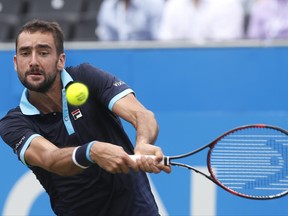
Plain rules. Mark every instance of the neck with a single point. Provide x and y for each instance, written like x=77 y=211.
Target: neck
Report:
x=50 y=101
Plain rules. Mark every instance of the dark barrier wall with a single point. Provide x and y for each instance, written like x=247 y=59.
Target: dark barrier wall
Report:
x=197 y=93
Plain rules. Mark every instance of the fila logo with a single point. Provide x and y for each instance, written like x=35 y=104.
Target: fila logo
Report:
x=76 y=114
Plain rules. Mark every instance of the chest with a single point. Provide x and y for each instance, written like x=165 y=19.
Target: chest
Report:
x=83 y=124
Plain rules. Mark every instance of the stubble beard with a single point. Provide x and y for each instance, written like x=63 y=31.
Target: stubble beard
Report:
x=41 y=87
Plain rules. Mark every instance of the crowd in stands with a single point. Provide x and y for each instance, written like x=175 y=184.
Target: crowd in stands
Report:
x=126 y=20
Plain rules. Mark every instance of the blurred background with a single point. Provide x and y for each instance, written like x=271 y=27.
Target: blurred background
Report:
x=202 y=66
x=198 y=20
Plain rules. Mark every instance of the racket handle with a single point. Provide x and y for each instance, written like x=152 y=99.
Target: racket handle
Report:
x=165 y=160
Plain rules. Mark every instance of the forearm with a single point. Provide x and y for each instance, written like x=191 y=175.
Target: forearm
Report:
x=146 y=128
x=42 y=153
x=58 y=161
x=62 y=164
x=143 y=120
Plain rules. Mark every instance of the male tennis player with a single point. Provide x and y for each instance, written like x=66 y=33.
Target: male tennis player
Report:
x=79 y=154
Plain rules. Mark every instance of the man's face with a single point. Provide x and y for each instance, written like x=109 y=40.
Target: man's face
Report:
x=37 y=62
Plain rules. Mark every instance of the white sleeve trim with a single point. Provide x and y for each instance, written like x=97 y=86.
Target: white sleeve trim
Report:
x=25 y=147
x=118 y=97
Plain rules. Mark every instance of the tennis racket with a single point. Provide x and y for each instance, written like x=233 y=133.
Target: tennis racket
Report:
x=248 y=161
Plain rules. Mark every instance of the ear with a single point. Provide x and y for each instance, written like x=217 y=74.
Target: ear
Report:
x=61 y=61
x=15 y=63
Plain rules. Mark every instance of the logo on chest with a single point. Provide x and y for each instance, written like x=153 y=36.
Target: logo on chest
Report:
x=76 y=114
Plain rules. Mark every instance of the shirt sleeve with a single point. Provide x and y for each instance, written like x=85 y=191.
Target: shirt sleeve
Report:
x=16 y=132
x=104 y=87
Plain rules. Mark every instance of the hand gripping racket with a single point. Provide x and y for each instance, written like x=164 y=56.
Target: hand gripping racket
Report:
x=249 y=161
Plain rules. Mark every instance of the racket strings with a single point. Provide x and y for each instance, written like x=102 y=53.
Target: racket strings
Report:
x=252 y=162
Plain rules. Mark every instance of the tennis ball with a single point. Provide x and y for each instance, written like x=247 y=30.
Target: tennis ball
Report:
x=77 y=94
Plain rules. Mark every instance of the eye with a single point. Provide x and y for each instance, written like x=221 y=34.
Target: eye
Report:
x=24 y=53
x=44 y=53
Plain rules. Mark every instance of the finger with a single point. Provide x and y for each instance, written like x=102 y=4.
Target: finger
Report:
x=132 y=164
x=120 y=164
x=151 y=168
x=152 y=165
x=155 y=169
x=158 y=155
x=143 y=164
x=165 y=168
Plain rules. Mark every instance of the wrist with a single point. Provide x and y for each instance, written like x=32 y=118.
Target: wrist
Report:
x=81 y=155
x=88 y=151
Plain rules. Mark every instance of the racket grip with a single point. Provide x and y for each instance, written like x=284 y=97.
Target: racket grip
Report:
x=164 y=161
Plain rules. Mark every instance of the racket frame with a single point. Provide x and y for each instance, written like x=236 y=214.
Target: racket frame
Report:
x=168 y=161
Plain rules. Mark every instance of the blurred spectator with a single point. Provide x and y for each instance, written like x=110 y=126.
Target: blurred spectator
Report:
x=129 y=19
x=268 y=19
x=202 y=20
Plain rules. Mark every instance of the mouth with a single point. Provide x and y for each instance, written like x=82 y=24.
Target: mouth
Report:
x=34 y=74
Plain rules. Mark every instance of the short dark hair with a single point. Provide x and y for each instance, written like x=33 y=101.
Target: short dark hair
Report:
x=45 y=26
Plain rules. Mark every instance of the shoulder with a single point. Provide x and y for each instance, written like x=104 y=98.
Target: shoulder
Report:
x=14 y=115
x=12 y=118
x=83 y=70
x=91 y=76
x=13 y=112
x=81 y=67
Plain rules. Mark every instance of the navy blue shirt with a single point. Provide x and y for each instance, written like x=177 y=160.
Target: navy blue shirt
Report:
x=94 y=191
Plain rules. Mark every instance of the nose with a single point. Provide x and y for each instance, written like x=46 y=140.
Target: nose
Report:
x=33 y=60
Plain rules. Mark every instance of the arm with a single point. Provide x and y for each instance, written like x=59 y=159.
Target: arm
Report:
x=114 y=159
x=143 y=120
x=44 y=154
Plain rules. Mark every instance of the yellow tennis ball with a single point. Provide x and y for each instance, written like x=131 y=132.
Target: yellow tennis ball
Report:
x=77 y=94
